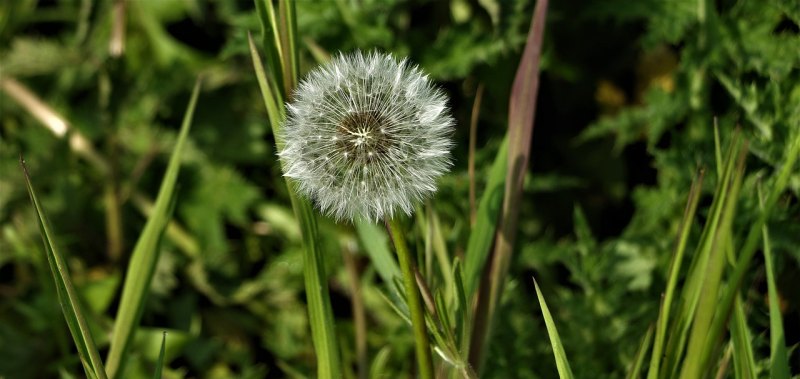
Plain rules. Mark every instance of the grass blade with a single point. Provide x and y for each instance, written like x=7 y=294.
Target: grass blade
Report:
x=779 y=357
x=562 y=364
x=67 y=296
x=145 y=253
x=275 y=111
x=700 y=343
x=521 y=112
x=641 y=353
x=674 y=270
x=481 y=237
x=316 y=281
x=743 y=358
x=271 y=43
x=748 y=249
x=160 y=363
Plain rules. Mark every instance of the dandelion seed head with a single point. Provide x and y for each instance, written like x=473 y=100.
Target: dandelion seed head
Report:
x=366 y=135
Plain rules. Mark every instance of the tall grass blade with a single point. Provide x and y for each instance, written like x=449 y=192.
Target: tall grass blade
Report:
x=481 y=236
x=641 y=353
x=748 y=249
x=779 y=357
x=271 y=43
x=272 y=102
x=67 y=296
x=145 y=253
x=160 y=363
x=287 y=25
x=674 y=270
x=521 y=112
x=562 y=364
x=743 y=357
x=700 y=344
x=320 y=312
x=692 y=289
x=376 y=244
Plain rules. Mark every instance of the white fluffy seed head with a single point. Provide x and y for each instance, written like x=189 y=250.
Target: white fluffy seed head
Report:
x=366 y=135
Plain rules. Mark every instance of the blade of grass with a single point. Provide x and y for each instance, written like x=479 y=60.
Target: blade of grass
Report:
x=275 y=110
x=67 y=296
x=146 y=252
x=700 y=344
x=748 y=249
x=690 y=294
x=641 y=353
x=481 y=237
x=674 y=270
x=271 y=43
x=562 y=364
x=323 y=332
x=376 y=245
x=521 y=112
x=160 y=363
x=778 y=357
x=473 y=136
x=743 y=358
x=288 y=31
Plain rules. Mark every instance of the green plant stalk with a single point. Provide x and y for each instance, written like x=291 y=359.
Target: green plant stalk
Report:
x=422 y=343
x=320 y=312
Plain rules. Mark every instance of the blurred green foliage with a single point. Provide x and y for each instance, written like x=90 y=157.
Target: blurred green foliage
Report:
x=629 y=95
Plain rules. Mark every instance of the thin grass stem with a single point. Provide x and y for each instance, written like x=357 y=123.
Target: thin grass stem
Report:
x=423 y=349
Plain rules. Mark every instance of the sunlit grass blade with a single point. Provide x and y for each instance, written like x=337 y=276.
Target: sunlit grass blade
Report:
x=562 y=364
x=674 y=270
x=287 y=24
x=160 y=362
x=743 y=357
x=271 y=43
x=376 y=244
x=700 y=344
x=692 y=288
x=272 y=102
x=146 y=252
x=67 y=296
x=641 y=353
x=521 y=115
x=481 y=236
x=751 y=243
x=779 y=357
x=320 y=312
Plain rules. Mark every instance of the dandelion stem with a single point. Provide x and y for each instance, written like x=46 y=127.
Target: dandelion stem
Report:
x=414 y=302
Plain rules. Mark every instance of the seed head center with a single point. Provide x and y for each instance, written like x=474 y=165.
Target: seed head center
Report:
x=362 y=136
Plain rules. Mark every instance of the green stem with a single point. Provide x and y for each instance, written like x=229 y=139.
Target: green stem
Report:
x=414 y=302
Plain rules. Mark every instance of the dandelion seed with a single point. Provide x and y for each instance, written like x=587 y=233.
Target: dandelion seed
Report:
x=372 y=117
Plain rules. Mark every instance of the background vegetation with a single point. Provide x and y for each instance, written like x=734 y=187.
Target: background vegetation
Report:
x=628 y=98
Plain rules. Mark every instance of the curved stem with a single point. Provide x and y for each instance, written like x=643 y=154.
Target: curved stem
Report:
x=422 y=343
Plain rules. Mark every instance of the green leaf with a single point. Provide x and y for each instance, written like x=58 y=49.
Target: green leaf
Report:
x=779 y=357
x=145 y=253
x=160 y=363
x=67 y=295
x=562 y=364
x=481 y=237
x=674 y=270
